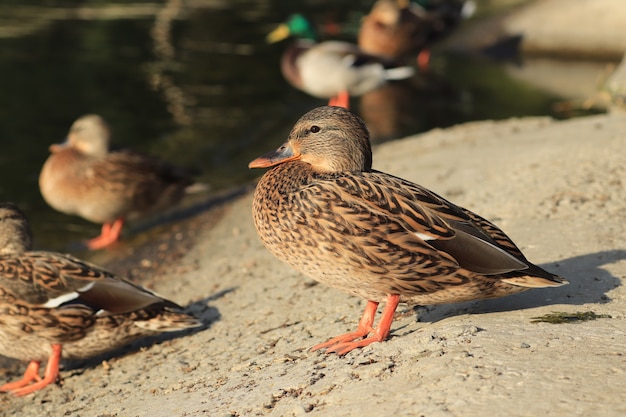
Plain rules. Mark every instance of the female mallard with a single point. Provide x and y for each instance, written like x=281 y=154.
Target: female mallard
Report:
x=53 y=305
x=331 y=69
x=83 y=177
x=400 y=29
x=324 y=211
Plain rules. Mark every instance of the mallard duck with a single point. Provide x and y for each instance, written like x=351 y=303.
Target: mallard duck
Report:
x=331 y=69
x=83 y=177
x=322 y=209
x=400 y=29
x=56 y=306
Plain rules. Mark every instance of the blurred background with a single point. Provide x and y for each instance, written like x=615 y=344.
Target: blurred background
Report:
x=195 y=82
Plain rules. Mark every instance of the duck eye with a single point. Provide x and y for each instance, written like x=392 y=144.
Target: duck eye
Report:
x=315 y=129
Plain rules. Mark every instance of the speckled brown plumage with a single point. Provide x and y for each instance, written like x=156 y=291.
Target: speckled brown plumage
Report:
x=83 y=177
x=399 y=30
x=51 y=302
x=324 y=211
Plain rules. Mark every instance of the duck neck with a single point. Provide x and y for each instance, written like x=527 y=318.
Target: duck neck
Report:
x=288 y=177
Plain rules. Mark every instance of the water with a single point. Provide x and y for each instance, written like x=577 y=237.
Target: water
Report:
x=202 y=90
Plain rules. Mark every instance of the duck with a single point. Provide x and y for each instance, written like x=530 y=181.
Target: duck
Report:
x=332 y=69
x=54 y=306
x=84 y=177
x=323 y=210
x=401 y=29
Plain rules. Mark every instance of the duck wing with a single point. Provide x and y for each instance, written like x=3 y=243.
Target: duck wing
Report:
x=53 y=280
x=439 y=229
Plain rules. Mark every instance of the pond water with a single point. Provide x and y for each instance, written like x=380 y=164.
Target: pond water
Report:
x=199 y=86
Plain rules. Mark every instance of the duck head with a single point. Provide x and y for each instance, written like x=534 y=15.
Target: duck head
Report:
x=330 y=139
x=15 y=233
x=297 y=25
x=89 y=135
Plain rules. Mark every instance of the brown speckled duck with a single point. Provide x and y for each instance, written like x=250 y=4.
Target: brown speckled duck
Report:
x=56 y=306
x=401 y=29
x=323 y=209
x=83 y=177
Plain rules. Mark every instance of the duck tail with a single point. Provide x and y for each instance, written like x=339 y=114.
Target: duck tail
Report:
x=535 y=282
x=399 y=73
x=535 y=277
x=197 y=187
x=468 y=9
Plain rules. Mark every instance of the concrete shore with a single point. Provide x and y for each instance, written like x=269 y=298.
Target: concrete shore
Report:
x=557 y=188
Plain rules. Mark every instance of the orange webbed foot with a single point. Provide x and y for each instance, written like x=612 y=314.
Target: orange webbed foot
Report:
x=24 y=385
x=31 y=374
x=347 y=342
x=423 y=60
x=344 y=339
x=341 y=345
x=110 y=234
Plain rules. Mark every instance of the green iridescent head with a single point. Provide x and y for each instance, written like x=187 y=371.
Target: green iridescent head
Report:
x=297 y=25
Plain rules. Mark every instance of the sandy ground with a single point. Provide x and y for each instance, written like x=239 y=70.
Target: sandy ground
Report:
x=557 y=188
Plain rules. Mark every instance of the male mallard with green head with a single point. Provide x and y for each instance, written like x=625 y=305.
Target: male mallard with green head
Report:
x=331 y=69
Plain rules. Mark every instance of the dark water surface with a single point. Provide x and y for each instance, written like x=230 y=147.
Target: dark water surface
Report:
x=202 y=90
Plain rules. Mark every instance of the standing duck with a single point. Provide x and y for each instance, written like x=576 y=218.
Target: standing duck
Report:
x=56 y=306
x=331 y=69
x=400 y=29
x=323 y=209
x=83 y=177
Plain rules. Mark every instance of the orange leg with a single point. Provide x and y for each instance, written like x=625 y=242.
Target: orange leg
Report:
x=110 y=234
x=340 y=100
x=24 y=386
x=345 y=343
x=423 y=60
x=31 y=374
x=331 y=28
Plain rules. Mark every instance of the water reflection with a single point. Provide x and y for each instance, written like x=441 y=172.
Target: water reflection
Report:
x=402 y=108
x=200 y=87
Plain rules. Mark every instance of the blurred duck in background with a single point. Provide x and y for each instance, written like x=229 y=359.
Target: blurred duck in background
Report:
x=83 y=177
x=401 y=30
x=331 y=69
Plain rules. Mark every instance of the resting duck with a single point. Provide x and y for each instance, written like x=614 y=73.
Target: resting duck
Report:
x=400 y=29
x=323 y=209
x=331 y=69
x=83 y=177
x=55 y=306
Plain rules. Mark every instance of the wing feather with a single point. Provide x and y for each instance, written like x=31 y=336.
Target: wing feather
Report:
x=40 y=277
x=456 y=235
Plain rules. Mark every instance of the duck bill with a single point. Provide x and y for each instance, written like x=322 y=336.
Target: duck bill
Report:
x=278 y=34
x=283 y=154
x=57 y=147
